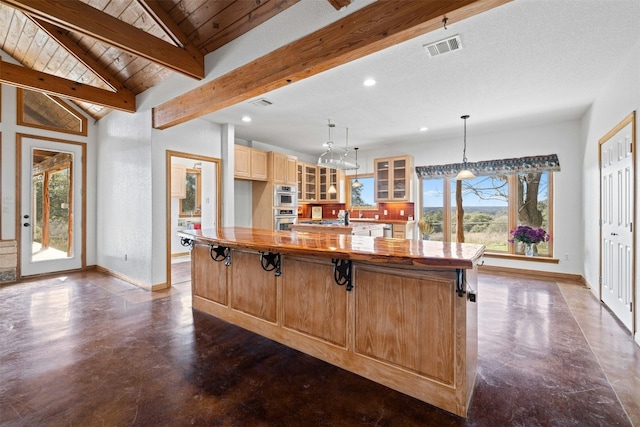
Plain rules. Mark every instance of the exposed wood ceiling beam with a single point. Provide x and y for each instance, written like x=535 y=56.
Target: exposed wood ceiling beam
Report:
x=370 y=29
x=79 y=54
x=15 y=75
x=339 y=4
x=82 y=18
x=169 y=26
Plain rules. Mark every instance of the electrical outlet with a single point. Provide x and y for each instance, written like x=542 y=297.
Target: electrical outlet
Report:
x=125 y=257
x=401 y=212
x=567 y=257
x=333 y=212
x=385 y=212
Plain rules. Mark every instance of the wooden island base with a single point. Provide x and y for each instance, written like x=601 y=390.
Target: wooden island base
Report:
x=404 y=327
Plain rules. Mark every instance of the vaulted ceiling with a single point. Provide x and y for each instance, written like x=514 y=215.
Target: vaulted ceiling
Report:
x=111 y=50
x=523 y=63
x=102 y=53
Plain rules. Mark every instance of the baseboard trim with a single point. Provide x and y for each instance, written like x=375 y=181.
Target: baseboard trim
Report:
x=135 y=282
x=550 y=275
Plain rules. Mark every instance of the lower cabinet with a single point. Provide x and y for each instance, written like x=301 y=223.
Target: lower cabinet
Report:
x=403 y=230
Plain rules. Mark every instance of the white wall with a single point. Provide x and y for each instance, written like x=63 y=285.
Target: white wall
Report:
x=561 y=138
x=125 y=188
x=618 y=99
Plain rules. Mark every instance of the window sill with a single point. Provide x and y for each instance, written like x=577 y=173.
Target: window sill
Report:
x=516 y=257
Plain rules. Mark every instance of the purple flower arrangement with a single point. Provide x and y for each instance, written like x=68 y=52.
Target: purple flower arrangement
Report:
x=526 y=234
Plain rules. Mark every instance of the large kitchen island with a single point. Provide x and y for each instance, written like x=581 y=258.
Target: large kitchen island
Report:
x=402 y=313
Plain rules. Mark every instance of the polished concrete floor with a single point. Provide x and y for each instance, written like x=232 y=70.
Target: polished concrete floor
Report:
x=86 y=349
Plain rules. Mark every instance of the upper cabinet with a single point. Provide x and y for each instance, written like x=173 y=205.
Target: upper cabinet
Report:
x=329 y=184
x=307 y=182
x=283 y=168
x=393 y=178
x=250 y=164
x=315 y=182
x=178 y=179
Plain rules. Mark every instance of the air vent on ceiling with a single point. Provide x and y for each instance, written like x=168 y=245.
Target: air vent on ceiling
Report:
x=262 y=102
x=443 y=46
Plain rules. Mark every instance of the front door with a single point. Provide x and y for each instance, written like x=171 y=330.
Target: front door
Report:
x=51 y=214
x=617 y=210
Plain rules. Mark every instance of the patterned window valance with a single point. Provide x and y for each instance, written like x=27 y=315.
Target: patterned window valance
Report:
x=493 y=167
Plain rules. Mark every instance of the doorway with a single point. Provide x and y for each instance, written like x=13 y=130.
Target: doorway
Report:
x=617 y=213
x=51 y=203
x=194 y=188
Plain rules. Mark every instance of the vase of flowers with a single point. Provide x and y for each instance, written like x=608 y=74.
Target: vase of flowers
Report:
x=530 y=237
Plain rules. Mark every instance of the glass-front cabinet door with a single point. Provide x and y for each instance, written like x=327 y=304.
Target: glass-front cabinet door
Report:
x=328 y=188
x=382 y=179
x=309 y=183
x=399 y=178
x=393 y=178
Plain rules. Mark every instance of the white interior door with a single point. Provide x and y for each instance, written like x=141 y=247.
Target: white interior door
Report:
x=51 y=206
x=617 y=201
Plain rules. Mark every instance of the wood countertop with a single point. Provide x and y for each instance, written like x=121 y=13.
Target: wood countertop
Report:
x=418 y=253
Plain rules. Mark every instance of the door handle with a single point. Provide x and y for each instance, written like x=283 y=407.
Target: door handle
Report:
x=26 y=224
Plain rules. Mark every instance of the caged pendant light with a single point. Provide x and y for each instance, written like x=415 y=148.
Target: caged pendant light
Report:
x=334 y=157
x=465 y=173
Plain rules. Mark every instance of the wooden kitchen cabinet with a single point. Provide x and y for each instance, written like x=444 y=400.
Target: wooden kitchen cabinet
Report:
x=250 y=163
x=284 y=168
x=393 y=178
x=307 y=182
x=326 y=178
x=403 y=230
x=178 y=180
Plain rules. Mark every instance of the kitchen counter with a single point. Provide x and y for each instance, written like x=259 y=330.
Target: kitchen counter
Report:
x=398 y=312
x=360 y=248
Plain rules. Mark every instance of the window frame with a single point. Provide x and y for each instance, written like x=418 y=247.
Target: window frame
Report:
x=20 y=114
x=447 y=206
x=198 y=201
x=349 y=179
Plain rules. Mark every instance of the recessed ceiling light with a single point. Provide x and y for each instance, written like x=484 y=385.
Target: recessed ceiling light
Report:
x=246 y=119
x=424 y=129
x=369 y=82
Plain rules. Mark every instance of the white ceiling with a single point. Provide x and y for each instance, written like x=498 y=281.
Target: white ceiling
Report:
x=526 y=62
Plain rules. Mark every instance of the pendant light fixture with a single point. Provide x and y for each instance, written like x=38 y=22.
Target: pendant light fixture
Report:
x=356 y=183
x=465 y=173
x=334 y=157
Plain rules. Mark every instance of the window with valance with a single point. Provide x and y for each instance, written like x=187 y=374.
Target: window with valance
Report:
x=505 y=194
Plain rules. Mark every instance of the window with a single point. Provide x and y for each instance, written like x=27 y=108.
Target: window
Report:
x=191 y=205
x=44 y=111
x=493 y=205
x=361 y=198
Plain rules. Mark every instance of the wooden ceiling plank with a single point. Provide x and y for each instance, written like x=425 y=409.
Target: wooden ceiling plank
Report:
x=380 y=25
x=226 y=17
x=18 y=21
x=264 y=12
x=30 y=44
x=79 y=17
x=26 y=78
x=203 y=18
x=170 y=27
x=81 y=56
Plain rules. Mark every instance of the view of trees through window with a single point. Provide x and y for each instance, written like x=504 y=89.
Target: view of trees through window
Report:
x=58 y=203
x=493 y=205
